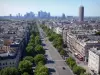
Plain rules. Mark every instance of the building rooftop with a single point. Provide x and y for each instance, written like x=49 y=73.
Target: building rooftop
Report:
x=11 y=36
x=95 y=50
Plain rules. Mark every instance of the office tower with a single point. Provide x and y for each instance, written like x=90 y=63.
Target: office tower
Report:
x=48 y=15
x=42 y=14
x=10 y=16
x=81 y=13
x=63 y=16
x=29 y=15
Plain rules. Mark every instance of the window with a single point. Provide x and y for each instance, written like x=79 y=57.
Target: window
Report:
x=10 y=62
x=13 y=62
x=3 y=63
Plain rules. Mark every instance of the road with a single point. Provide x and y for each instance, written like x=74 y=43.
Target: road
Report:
x=54 y=61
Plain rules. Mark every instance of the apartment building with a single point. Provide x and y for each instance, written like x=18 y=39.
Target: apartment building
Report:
x=13 y=40
x=94 y=60
x=58 y=30
x=80 y=41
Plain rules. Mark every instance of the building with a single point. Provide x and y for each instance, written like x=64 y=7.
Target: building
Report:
x=13 y=40
x=42 y=14
x=81 y=13
x=63 y=16
x=94 y=60
x=80 y=41
x=58 y=30
x=29 y=15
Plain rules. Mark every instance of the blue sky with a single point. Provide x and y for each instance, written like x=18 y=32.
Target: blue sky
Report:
x=55 y=7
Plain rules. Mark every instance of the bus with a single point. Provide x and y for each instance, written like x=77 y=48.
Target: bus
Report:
x=78 y=56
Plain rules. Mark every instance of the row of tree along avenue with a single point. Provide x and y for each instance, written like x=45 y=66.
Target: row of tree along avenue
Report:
x=75 y=68
x=34 y=60
x=56 y=40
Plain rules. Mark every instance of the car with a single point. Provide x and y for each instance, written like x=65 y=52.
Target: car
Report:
x=63 y=68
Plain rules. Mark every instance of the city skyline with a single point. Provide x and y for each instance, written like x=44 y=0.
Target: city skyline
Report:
x=55 y=7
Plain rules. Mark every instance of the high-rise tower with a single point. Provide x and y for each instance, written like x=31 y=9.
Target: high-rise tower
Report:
x=81 y=13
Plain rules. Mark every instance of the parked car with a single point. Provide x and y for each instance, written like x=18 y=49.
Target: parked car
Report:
x=63 y=68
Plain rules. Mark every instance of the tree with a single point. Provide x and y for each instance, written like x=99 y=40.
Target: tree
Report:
x=97 y=33
x=69 y=60
x=63 y=52
x=55 y=43
x=32 y=39
x=37 y=68
x=31 y=44
x=42 y=73
x=82 y=69
x=82 y=74
x=25 y=73
x=85 y=74
x=52 y=37
x=38 y=58
x=32 y=36
x=37 y=40
x=72 y=64
x=41 y=70
x=9 y=71
x=58 y=40
x=39 y=49
x=78 y=70
x=41 y=62
x=25 y=66
x=59 y=48
x=29 y=58
x=30 y=50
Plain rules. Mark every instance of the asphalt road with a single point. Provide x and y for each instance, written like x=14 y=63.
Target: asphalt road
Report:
x=55 y=61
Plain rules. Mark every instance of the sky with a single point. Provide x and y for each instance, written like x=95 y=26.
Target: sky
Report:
x=55 y=7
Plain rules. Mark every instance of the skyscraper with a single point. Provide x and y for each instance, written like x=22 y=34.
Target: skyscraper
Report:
x=63 y=16
x=81 y=13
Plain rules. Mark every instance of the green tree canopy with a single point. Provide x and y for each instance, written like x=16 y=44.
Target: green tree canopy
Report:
x=59 y=48
x=52 y=37
x=41 y=70
x=25 y=73
x=69 y=60
x=42 y=73
x=39 y=49
x=32 y=36
x=63 y=52
x=9 y=71
x=30 y=50
x=29 y=58
x=38 y=58
x=97 y=33
x=72 y=64
x=78 y=70
x=31 y=44
x=37 y=40
x=25 y=66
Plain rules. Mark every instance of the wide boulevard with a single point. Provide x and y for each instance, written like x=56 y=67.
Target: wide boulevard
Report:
x=54 y=60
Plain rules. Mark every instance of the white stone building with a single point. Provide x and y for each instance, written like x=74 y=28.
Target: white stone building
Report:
x=94 y=60
x=58 y=30
x=81 y=43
